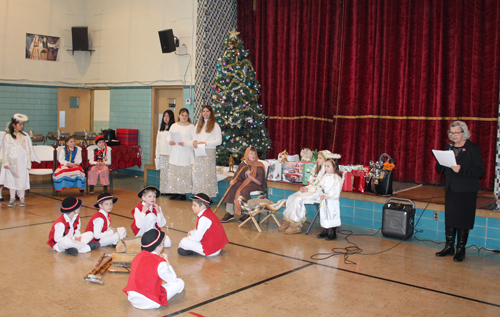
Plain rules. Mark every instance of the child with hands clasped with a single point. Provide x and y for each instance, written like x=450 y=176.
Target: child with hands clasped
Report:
x=295 y=213
x=100 y=223
x=65 y=234
x=99 y=162
x=330 y=188
x=149 y=268
x=209 y=237
x=148 y=215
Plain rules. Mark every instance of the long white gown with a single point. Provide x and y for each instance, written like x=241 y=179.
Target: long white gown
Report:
x=180 y=161
x=17 y=154
x=329 y=211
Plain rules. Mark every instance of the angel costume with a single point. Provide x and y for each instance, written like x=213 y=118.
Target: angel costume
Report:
x=329 y=211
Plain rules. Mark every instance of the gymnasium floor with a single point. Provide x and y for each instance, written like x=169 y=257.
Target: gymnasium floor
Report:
x=266 y=274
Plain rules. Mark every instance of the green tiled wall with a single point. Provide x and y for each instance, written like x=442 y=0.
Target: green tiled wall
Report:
x=130 y=108
x=39 y=103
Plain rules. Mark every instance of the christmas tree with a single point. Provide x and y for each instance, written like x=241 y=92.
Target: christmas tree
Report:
x=235 y=93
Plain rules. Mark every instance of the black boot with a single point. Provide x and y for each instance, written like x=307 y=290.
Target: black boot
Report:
x=105 y=189
x=323 y=234
x=332 y=234
x=91 y=189
x=463 y=235
x=175 y=196
x=449 y=248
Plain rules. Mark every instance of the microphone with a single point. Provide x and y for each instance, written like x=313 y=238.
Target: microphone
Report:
x=452 y=145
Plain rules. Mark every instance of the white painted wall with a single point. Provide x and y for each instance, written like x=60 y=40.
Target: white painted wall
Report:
x=123 y=33
x=101 y=105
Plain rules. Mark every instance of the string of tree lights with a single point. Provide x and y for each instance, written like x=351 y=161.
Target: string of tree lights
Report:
x=235 y=94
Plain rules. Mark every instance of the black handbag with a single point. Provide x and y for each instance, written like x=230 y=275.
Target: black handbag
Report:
x=109 y=135
x=381 y=182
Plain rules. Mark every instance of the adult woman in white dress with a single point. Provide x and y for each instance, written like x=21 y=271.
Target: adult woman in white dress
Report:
x=16 y=156
x=207 y=133
x=181 y=159
x=163 y=148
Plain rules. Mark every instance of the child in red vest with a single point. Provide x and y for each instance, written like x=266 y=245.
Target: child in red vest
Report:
x=65 y=233
x=209 y=237
x=149 y=268
x=100 y=223
x=148 y=215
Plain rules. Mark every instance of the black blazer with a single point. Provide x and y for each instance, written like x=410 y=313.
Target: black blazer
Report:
x=471 y=169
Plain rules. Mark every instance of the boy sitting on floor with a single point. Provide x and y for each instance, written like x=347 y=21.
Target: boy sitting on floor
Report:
x=148 y=215
x=149 y=268
x=65 y=234
x=100 y=223
x=209 y=237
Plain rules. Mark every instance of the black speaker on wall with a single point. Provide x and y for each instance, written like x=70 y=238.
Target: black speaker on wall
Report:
x=168 y=41
x=80 y=38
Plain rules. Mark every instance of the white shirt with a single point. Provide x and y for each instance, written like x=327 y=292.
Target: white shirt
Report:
x=165 y=272
x=182 y=155
x=162 y=144
x=203 y=224
x=213 y=138
x=108 y=157
x=140 y=217
x=62 y=156
x=59 y=228
x=99 y=224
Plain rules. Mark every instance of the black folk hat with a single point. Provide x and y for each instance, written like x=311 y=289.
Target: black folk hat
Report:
x=104 y=196
x=70 y=204
x=157 y=191
x=202 y=197
x=152 y=239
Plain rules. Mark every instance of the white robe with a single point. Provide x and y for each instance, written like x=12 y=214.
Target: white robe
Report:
x=17 y=154
x=329 y=211
x=182 y=155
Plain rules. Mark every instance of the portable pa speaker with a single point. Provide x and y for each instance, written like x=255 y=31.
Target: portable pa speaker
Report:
x=398 y=218
x=80 y=38
x=167 y=41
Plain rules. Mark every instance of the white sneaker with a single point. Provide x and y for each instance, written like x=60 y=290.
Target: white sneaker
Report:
x=22 y=202
x=11 y=203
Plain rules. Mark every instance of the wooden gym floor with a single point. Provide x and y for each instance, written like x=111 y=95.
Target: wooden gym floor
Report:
x=266 y=274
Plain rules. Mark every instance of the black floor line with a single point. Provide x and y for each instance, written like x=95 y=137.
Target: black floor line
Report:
x=238 y=290
x=309 y=263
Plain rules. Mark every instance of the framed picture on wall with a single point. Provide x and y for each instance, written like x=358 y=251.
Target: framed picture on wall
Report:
x=42 y=47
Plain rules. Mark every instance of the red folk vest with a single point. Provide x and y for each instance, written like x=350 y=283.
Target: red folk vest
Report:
x=67 y=226
x=215 y=237
x=144 y=277
x=139 y=206
x=90 y=225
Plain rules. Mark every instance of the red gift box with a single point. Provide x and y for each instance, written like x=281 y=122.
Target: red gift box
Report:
x=128 y=136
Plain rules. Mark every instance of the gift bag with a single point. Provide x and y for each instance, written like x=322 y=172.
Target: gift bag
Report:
x=275 y=169
x=384 y=184
x=308 y=170
x=347 y=187
x=359 y=184
x=381 y=182
x=292 y=172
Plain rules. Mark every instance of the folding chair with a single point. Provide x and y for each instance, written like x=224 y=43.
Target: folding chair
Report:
x=90 y=153
x=262 y=192
x=45 y=153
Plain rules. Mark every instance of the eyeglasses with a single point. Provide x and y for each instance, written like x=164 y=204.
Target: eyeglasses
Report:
x=455 y=133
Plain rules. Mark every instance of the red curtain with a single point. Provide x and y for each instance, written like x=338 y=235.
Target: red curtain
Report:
x=364 y=77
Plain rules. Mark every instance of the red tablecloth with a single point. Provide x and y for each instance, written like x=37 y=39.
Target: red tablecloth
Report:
x=122 y=156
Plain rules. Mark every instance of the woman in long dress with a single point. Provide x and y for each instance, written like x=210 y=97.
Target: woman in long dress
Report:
x=181 y=159
x=207 y=133
x=16 y=155
x=163 y=148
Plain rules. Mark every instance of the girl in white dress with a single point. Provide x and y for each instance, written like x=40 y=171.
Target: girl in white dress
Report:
x=330 y=188
x=163 y=148
x=181 y=159
x=295 y=213
x=16 y=155
x=207 y=133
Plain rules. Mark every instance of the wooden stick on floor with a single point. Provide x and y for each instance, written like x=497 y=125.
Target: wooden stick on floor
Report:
x=227 y=191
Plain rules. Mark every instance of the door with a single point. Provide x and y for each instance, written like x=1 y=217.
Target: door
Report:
x=164 y=98
x=73 y=107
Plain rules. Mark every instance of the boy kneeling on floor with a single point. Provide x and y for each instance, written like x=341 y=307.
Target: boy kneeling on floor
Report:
x=149 y=268
x=209 y=237
x=65 y=233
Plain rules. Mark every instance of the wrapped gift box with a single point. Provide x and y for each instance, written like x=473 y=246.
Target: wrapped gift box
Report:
x=275 y=170
x=127 y=136
x=308 y=170
x=292 y=172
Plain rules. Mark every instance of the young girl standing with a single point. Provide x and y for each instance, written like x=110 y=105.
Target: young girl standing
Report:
x=330 y=188
x=208 y=133
x=295 y=212
x=179 y=179
x=163 y=147
x=99 y=163
x=16 y=155
x=69 y=174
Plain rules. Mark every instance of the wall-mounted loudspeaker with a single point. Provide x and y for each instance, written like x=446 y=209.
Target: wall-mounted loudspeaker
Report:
x=80 y=38
x=168 y=41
